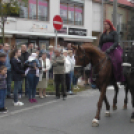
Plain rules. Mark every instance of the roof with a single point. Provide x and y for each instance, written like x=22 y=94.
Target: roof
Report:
x=123 y=2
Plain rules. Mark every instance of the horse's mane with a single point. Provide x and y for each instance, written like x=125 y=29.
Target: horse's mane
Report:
x=93 y=49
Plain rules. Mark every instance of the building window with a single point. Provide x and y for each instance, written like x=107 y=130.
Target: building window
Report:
x=63 y=12
x=43 y=10
x=32 y=9
x=23 y=10
x=78 y=15
x=72 y=13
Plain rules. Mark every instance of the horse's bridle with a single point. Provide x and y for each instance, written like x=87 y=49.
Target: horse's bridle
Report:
x=94 y=76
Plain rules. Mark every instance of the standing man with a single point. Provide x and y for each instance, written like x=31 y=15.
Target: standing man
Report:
x=5 y=50
x=24 y=58
x=31 y=48
x=58 y=62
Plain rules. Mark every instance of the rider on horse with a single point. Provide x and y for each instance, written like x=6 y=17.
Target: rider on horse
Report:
x=109 y=44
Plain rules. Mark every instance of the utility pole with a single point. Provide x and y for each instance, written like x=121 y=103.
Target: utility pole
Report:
x=102 y=15
x=2 y=21
x=115 y=5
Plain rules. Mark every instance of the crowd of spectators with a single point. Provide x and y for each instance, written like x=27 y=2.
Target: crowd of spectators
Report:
x=35 y=67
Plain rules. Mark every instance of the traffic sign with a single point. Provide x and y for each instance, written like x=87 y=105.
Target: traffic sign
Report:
x=57 y=22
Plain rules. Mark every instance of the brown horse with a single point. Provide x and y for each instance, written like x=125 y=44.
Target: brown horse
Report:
x=101 y=73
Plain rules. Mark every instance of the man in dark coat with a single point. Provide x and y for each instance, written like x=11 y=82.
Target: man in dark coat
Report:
x=24 y=58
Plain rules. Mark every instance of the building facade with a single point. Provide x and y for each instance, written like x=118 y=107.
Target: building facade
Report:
x=34 y=22
x=125 y=13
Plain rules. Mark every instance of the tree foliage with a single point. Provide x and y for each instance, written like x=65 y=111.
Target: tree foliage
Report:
x=9 y=7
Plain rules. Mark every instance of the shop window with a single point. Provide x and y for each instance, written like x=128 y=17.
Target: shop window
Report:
x=72 y=13
x=20 y=42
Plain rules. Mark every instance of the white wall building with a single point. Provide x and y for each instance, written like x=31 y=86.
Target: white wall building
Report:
x=34 y=23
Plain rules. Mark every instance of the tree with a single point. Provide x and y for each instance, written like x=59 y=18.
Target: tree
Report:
x=9 y=8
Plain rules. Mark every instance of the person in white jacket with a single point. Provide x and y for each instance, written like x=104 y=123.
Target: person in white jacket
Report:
x=72 y=61
x=67 y=70
x=43 y=75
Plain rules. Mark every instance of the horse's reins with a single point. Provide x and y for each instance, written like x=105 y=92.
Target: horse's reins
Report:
x=97 y=74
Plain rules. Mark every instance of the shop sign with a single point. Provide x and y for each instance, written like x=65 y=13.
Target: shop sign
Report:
x=77 y=31
x=63 y=30
x=39 y=28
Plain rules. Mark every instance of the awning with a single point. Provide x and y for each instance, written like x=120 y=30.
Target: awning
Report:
x=40 y=34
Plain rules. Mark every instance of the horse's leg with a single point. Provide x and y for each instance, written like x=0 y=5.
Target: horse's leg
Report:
x=126 y=97
x=95 y=121
x=107 y=113
x=132 y=116
x=115 y=96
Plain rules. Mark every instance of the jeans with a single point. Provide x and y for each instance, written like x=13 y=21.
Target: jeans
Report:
x=60 y=80
x=2 y=98
x=26 y=86
x=71 y=78
x=9 y=80
x=17 y=87
x=33 y=81
x=75 y=80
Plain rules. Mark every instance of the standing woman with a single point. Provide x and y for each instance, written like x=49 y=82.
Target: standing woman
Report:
x=44 y=75
x=17 y=74
x=109 y=44
x=32 y=73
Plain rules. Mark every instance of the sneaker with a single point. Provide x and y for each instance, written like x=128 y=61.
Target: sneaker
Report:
x=70 y=92
x=19 y=96
x=41 y=97
x=77 y=87
x=34 y=100
x=3 y=110
x=30 y=100
x=18 y=103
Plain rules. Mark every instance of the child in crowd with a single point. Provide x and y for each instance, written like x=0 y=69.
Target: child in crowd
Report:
x=3 y=87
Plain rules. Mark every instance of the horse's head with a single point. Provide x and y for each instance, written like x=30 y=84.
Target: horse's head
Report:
x=81 y=60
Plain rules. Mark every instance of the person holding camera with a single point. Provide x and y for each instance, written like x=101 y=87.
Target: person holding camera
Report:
x=32 y=74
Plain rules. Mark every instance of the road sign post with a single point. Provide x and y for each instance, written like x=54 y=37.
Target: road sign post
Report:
x=57 y=24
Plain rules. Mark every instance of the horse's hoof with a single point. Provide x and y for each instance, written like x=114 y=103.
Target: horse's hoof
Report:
x=132 y=120
x=125 y=107
x=95 y=123
x=107 y=114
x=114 y=108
